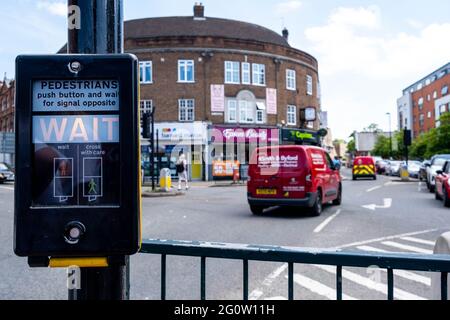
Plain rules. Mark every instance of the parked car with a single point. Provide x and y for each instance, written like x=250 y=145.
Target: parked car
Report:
x=382 y=166
x=437 y=163
x=414 y=169
x=364 y=167
x=442 y=187
x=6 y=173
x=423 y=170
x=299 y=176
x=394 y=168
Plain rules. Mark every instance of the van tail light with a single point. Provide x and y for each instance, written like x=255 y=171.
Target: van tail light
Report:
x=308 y=179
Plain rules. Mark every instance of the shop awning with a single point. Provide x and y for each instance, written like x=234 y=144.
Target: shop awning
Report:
x=260 y=106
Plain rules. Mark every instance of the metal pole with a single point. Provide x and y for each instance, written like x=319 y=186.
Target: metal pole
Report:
x=100 y=31
x=158 y=156
x=153 y=149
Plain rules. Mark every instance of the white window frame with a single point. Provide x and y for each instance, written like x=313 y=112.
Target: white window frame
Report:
x=263 y=116
x=246 y=110
x=186 y=64
x=232 y=108
x=232 y=72
x=246 y=73
x=291 y=115
x=291 y=80
x=309 y=85
x=258 y=74
x=184 y=108
x=444 y=91
x=143 y=74
x=145 y=106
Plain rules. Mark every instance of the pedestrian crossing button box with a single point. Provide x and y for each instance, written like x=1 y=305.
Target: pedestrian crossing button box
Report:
x=77 y=145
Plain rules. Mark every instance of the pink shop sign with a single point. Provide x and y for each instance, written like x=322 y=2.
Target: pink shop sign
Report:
x=229 y=135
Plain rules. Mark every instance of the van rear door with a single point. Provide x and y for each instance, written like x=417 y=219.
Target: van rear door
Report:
x=279 y=172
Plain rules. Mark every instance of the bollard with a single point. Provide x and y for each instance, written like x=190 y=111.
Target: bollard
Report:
x=165 y=180
x=442 y=247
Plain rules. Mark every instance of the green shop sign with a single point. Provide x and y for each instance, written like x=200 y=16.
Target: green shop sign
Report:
x=300 y=136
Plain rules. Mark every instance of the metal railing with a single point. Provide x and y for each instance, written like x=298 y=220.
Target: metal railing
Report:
x=292 y=256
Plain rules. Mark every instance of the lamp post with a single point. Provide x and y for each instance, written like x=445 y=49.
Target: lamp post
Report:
x=390 y=134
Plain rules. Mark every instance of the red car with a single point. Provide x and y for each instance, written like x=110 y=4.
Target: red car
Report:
x=294 y=176
x=442 y=189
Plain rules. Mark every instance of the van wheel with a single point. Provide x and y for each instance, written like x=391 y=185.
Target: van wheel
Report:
x=316 y=209
x=338 y=200
x=431 y=188
x=256 y=210
x=446 y=199
x=353 y=178
x=374 y=177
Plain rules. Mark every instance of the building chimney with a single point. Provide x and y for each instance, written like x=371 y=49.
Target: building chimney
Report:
x=285 y=34
x=199 y=11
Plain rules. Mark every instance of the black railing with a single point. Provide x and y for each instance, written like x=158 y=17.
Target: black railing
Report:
x=292 y=256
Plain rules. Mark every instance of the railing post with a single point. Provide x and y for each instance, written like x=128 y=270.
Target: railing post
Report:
x=291 y=281
x=203 y=279
x=444 y=287
x=390 y=284
x=245 y=275
x=163 y=276
x=339 y=283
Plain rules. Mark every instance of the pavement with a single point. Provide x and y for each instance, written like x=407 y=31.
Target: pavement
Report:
x=376 y=216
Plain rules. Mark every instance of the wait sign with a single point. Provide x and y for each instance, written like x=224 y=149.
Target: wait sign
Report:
x=77 y=161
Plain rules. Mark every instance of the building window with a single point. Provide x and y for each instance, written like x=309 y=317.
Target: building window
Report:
x=232 y=72
x=309 y=85
x=420 y=86
x=291 y=115
x=429 y=114
x=444 y=90
x=259 y=74
x=186 y=71
x=420 y=103
x=260 y=116
x=442 y=109
x=290 y=80
x=246 y=112
x=421 y=120
x=246 y=73
x=429 y=97
x=146 y=71
x=186 y=109
x=146 y=107
x=232 y=111
x=435 y=95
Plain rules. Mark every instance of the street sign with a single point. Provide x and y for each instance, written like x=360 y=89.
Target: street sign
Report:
x=77 y=167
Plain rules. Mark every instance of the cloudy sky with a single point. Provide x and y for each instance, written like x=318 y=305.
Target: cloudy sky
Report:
x=368 y=51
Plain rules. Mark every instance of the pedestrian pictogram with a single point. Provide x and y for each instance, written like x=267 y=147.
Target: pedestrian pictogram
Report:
x=63 y=179
x=93 y=178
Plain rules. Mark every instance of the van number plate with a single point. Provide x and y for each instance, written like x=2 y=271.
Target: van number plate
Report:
x=266 y=192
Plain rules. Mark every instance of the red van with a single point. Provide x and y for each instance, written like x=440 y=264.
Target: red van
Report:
x=300 y=176
x=442 y=189
x=364 y=167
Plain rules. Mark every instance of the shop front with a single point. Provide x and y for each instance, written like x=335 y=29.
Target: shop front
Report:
x=174 y=138
x=232 y=147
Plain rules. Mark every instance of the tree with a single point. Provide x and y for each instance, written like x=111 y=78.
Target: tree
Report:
x=382 y=147
x=373 y=127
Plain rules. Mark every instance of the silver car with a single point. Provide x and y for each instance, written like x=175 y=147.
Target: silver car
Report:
x=6 y=174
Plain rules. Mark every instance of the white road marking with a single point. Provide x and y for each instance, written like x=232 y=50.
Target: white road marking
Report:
x=361 y=243
x=280 y=298
x=373 y=189
x=401 y=273
x=326 y=222
x=406 y=247
x=257 y=293
x=387 y=204
x=7 y=188
x=369 y=283
x=417 y=240
x=318 y=288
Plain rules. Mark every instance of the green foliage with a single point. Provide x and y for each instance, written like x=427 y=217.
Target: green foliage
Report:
x=382 y=147
x=351 y=146
x=436 y=141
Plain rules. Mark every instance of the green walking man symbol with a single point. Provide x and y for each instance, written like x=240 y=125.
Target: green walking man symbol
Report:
x=92 y=187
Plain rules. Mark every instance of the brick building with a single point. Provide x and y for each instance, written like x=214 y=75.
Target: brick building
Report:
x=220 y=87
x=7 y=106
x=423 y=102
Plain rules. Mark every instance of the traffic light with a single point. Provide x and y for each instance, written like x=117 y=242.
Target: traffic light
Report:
x=146 y=125
x=407 y=140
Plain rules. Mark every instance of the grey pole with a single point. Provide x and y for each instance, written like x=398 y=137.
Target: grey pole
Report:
x=96 y=27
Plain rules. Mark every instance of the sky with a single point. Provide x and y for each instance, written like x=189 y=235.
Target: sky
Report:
x=368 y=51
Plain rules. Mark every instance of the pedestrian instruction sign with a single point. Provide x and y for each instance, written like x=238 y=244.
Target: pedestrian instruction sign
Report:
x=77 y=162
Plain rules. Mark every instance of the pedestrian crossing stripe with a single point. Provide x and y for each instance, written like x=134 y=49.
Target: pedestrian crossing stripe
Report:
x=364 y=169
